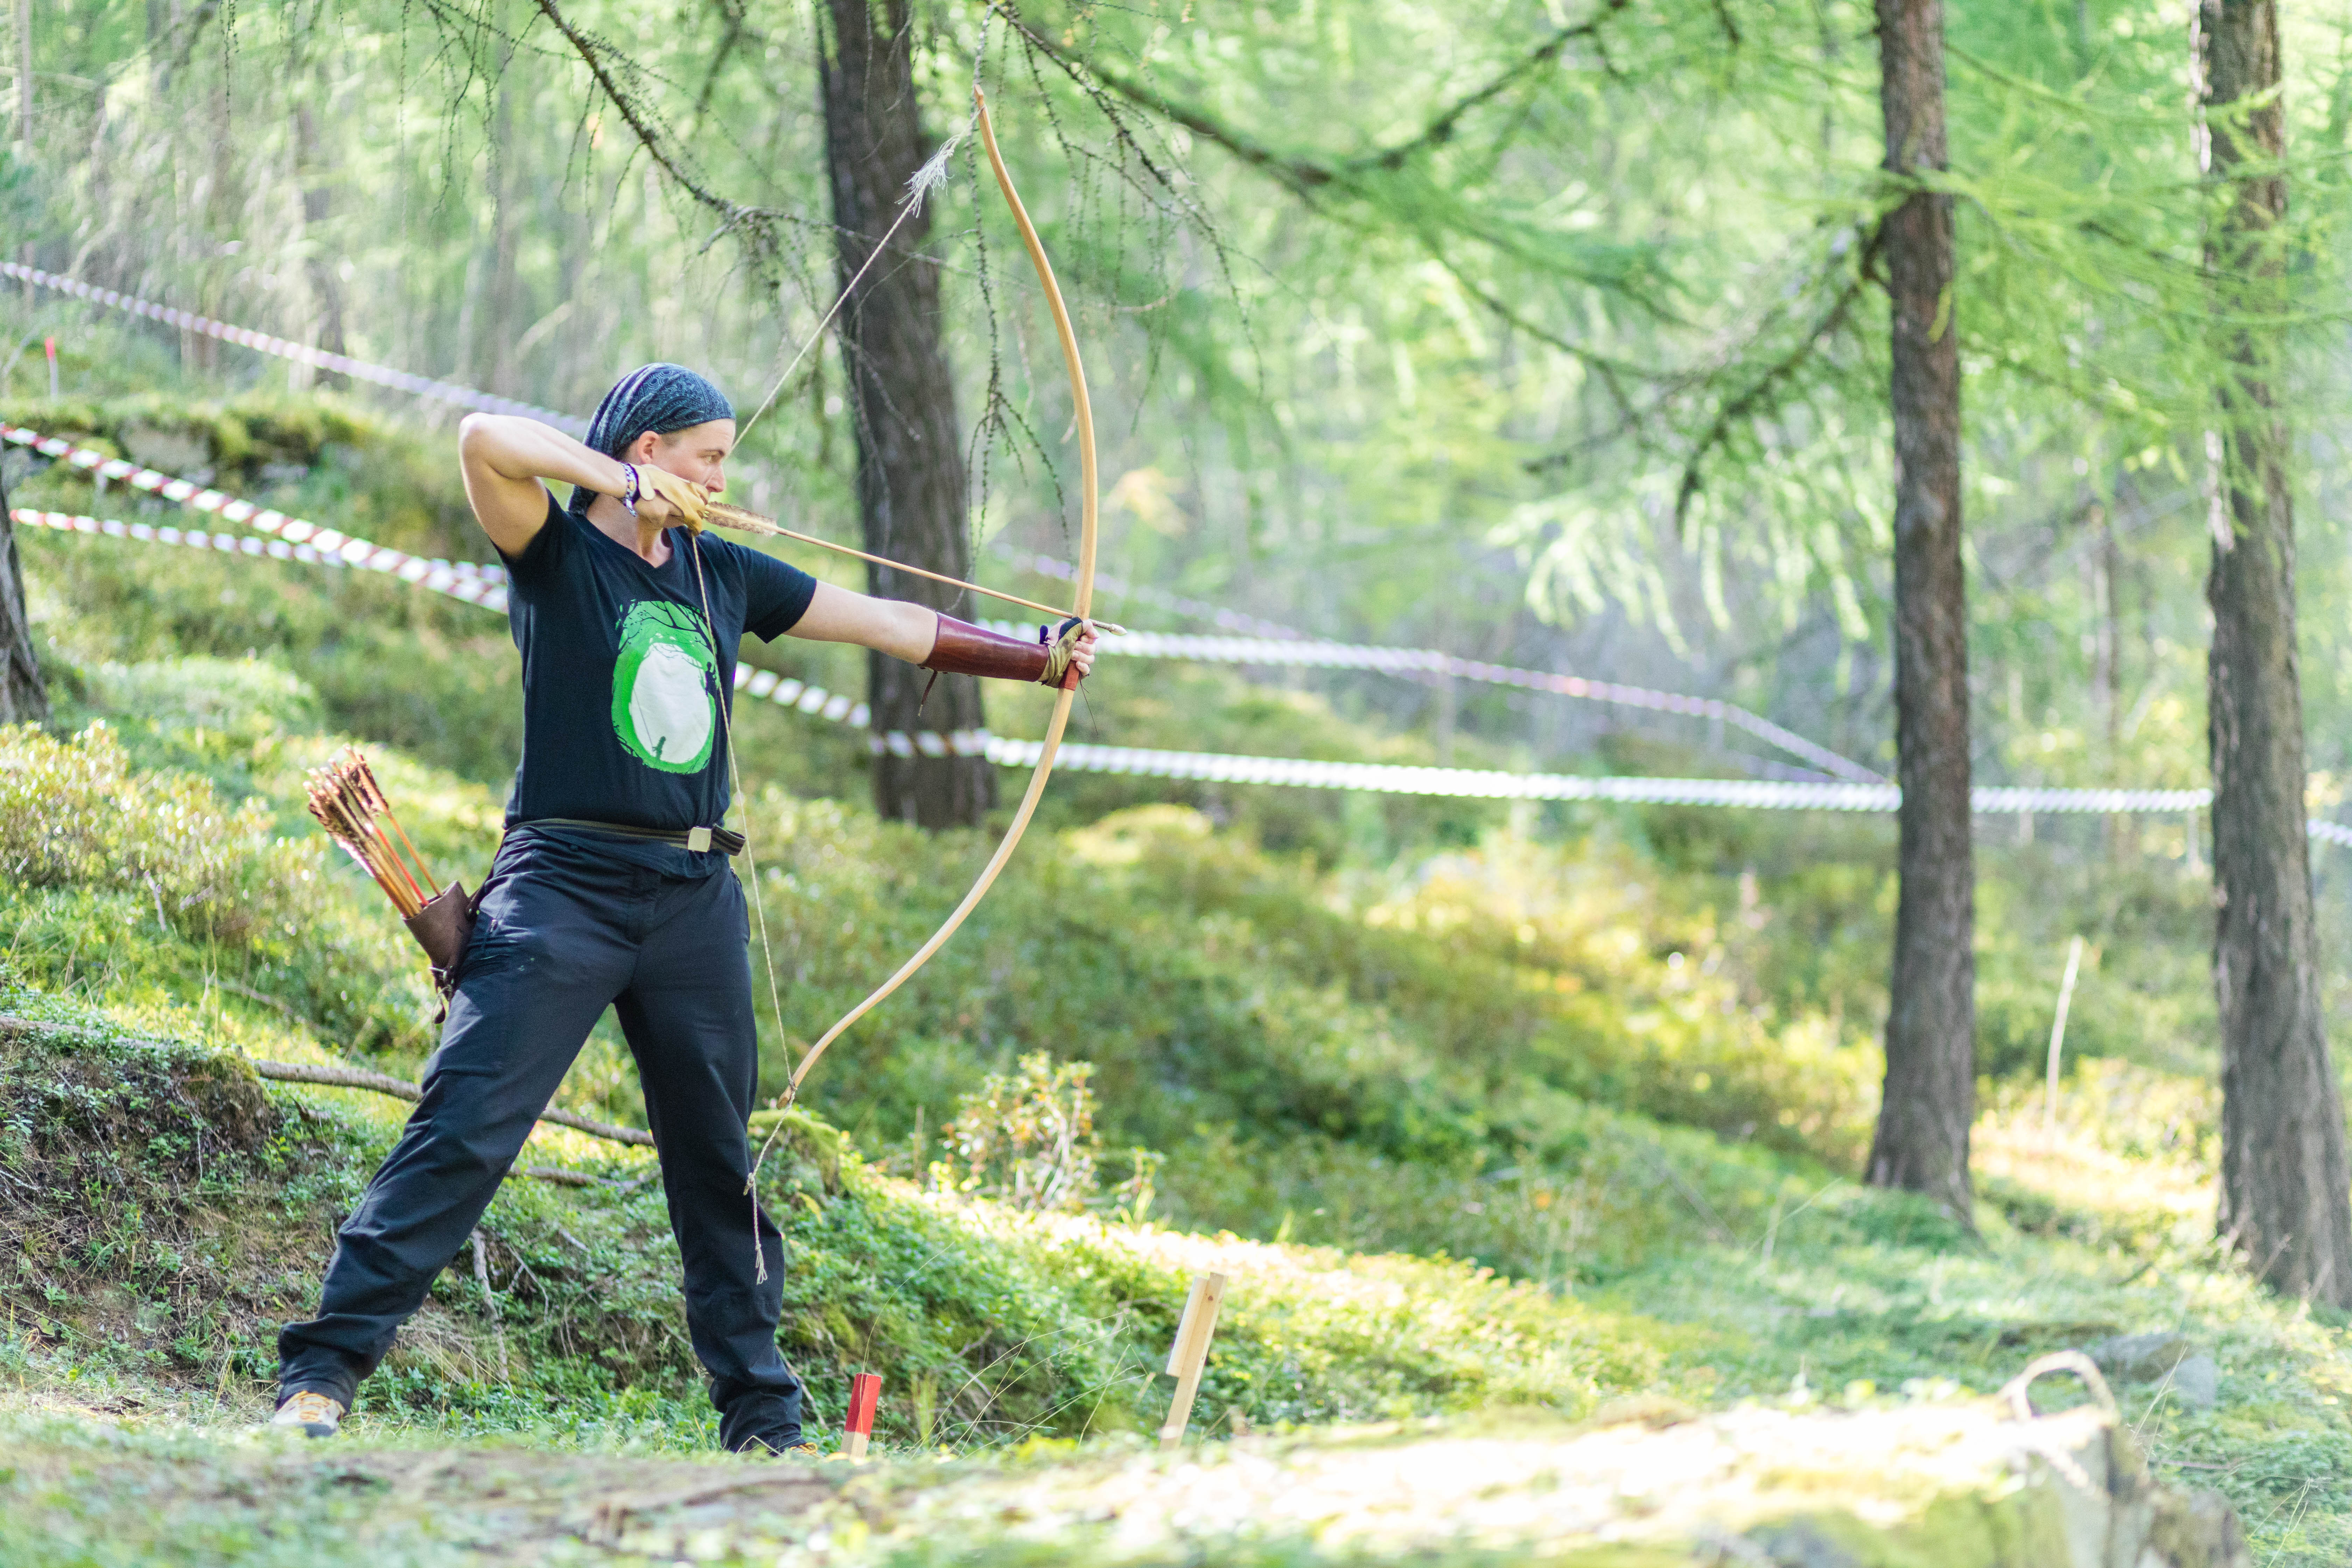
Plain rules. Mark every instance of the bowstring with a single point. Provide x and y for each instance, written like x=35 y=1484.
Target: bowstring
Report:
x=750 y=860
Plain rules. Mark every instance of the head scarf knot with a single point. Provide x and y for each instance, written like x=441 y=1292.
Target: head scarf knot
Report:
x=662 y=398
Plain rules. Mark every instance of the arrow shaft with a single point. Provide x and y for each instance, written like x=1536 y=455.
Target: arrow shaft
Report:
x=735 y=517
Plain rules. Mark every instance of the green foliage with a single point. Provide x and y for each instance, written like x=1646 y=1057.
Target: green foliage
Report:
x=144 y=887
x=1436 y=1059
x=1028 y=1138
x=457 y=702
x=72 y=813
x=1457 y=1061
x=311 y=455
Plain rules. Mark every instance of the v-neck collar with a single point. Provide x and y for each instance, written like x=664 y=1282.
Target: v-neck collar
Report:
x=615 y=545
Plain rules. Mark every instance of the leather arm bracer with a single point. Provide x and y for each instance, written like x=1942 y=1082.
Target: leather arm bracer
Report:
x=963 y=648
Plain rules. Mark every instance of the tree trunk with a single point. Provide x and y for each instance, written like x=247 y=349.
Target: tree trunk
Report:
x=23 y=697
x=901 y=399
x=505 y=318
x=2284 y=1205
x=318 y=265
x=1922 y=1141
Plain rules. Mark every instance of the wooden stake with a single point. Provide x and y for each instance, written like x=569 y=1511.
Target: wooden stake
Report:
x=2058 y=1038
x=1191 y=1352
x=864 y=1394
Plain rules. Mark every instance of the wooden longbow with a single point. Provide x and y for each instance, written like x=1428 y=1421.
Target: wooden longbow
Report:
x=1084 y=604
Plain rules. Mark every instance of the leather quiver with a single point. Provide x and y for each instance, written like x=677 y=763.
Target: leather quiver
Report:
x=442 y=928
x=963 y=648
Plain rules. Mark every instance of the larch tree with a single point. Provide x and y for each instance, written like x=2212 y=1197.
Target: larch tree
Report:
x=24 y=698
x=2283 y=1201
x=900 y=399
x=1922 y=1139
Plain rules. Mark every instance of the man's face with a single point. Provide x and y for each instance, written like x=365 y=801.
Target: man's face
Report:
x=697 y=453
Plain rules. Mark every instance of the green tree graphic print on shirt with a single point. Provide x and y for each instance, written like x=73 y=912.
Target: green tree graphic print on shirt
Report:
x=664 y=688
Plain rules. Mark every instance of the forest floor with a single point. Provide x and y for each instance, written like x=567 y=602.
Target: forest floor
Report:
x=125 y=1437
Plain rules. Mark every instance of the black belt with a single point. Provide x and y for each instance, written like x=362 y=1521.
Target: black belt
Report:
x=725 y=839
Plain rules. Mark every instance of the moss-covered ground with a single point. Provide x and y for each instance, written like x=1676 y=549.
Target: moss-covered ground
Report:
x=1481 y=1112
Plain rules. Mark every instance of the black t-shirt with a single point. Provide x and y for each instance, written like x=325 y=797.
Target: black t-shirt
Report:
x=621 y=687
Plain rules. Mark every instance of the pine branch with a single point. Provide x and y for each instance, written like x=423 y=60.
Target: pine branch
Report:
x=1738 y=408
x=1304 y=175
x=1311 y=180
x=607 y=64
x=1441 y=130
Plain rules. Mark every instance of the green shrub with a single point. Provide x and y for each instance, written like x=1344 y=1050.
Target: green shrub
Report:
x=1026 y=1139
x=1374 y=1062
x=147 y=886
x=74 y=812
x=172 y=1210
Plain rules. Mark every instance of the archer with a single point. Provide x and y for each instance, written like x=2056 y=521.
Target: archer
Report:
x=611 y=885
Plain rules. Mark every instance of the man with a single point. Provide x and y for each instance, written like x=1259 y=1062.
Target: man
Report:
x=611 y=885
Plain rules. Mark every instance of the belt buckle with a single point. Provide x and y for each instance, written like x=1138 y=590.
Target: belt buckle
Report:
x=697 y=838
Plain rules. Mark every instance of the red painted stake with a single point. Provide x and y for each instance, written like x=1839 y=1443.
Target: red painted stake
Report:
x=864 y=1394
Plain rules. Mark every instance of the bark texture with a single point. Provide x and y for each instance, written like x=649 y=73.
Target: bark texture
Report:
x=900 y=398
x=2283 y=1200
x=24 y=699
x=1922 y=1141
x=319 y=260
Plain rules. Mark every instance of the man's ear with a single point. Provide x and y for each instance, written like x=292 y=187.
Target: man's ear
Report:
x=641 y=450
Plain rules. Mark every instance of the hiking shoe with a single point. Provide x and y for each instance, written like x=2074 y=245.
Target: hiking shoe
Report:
x=313 y=1413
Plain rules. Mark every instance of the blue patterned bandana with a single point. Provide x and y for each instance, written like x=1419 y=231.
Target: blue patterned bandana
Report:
x=662 y=398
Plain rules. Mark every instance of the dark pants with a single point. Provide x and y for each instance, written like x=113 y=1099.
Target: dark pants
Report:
x=564 y=930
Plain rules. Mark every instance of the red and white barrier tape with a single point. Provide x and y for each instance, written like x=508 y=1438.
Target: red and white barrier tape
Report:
x=477 y=584
x=1221 y=768
x=342 y=364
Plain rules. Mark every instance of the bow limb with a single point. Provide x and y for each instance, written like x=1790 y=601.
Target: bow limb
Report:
x=1085 y=597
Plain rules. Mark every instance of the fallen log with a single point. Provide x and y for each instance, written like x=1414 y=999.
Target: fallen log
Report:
x=340 y=1078
x=401 y=1089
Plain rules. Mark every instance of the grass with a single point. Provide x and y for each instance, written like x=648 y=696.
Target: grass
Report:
x=1441 y=1066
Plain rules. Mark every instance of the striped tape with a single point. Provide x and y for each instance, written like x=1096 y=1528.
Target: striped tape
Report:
x=481 y=584
x=294 y=539
x=448 y=392
x=1268 y=644
x=1484 y=785
x=1219 y=615
x=1292 y=648
x=492 y=595
x=459 y=580
x=1210 y=767
x=1411 y=662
